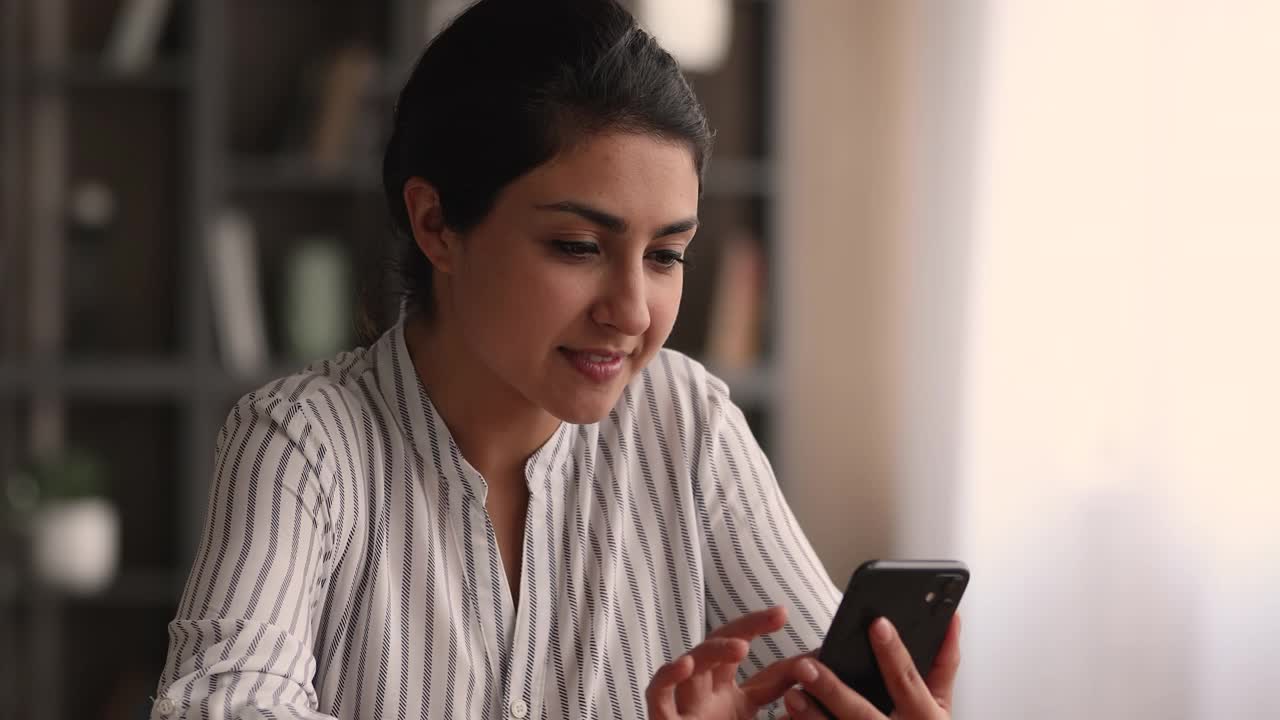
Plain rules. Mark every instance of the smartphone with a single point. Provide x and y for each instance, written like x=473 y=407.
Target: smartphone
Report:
x=918 y=596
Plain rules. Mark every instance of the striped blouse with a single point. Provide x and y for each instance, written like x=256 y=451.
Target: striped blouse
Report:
x=348 y=568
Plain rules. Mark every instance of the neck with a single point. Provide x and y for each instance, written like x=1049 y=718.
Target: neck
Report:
x=495 y=427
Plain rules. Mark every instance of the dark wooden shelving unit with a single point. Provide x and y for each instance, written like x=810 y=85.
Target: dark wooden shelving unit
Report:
x=178 y=141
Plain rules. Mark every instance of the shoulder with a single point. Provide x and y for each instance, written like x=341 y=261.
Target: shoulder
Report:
x=311 y=407
x=321 y=382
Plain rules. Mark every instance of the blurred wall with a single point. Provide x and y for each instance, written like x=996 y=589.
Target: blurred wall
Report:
x=836 y=225
x=1121 y=479
x=1030 y=253
x=878 y=100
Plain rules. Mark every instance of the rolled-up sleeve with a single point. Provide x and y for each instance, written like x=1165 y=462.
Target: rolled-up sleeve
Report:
x=755 y=552
x=241 y=645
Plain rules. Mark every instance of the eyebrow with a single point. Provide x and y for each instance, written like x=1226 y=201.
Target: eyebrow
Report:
x=612 y=222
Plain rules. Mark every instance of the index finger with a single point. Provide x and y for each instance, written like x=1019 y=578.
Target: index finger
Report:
x=753 y=624
x=772 y=682
x=667 y=681
x=659 y=696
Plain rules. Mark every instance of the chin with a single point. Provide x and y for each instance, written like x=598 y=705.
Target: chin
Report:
x=583 y=414
x=585 y=409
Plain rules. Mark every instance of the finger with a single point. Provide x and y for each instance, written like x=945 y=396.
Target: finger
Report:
x=714 y=651
x=818 y=680
x=709 y=657
x=941 y=679
x=727 y=673
x=802 y=707
x=659 y=695
x=753 y=624
x=766 y=686
x=901 y=678
x=747 y=628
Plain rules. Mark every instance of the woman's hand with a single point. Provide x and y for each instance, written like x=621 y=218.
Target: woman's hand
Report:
x=913 y=698
x=702 y=685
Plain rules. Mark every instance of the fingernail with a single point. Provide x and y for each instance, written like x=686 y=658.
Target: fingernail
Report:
x=807 y=671
x=882 y=631
x=798 y=703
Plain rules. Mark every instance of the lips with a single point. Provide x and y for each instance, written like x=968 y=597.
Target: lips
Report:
x=597 y=364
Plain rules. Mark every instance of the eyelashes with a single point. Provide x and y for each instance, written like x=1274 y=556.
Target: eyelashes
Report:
x=582 y=250
x=576 y=248
x=668 y=258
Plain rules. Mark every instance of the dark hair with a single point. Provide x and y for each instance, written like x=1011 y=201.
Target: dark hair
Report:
x=507 y=86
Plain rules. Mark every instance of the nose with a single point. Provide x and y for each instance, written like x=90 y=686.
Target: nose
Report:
x=623 y=302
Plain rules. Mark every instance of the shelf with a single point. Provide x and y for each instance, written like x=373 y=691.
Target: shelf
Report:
x=239 y=384
x=124 y=377
x=727 y=176
x=141 y=587
x=91 y=73
x=219 y=119
x=255 y=174
x=131 y=378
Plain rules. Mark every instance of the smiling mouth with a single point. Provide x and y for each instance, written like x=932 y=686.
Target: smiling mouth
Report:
x=596 y=354
x=597 y=365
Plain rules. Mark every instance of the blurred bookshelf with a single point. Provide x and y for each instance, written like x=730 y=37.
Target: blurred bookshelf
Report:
x=110 y=337
x=85 y=73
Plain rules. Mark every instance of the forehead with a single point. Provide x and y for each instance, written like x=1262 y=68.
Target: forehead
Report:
x=635 y=176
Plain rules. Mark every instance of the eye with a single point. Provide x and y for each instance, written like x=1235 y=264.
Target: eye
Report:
x=576 y=248
x=667 y=258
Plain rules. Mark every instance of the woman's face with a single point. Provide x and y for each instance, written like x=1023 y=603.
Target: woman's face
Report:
x=572 y=282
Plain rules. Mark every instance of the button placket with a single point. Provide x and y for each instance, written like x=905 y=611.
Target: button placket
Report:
x=519 y=709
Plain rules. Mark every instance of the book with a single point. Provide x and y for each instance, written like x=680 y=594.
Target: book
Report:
x=318 y=298
x=734 y=325
x=136 y=34
x=348 y=79
x=232 y=256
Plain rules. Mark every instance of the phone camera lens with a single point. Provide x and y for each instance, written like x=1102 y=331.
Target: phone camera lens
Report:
x=947 y=605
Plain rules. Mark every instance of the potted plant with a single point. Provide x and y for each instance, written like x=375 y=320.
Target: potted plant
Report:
x=74 y=529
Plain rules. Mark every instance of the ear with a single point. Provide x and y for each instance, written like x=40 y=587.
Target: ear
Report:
x=426 y=220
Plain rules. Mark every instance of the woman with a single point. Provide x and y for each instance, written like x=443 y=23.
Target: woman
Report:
x=514 y=502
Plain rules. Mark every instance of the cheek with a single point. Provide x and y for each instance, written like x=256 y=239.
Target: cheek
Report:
x=525 y=304
x=549 y=298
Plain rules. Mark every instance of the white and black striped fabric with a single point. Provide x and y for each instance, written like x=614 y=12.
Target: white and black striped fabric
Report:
x=348 y=569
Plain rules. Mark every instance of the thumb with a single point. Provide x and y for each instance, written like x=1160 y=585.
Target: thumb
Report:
x=768 y=685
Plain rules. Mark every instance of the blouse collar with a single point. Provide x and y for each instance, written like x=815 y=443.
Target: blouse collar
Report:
x=419 y=420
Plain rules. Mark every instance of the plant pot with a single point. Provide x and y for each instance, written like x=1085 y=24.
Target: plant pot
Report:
x=75 y=544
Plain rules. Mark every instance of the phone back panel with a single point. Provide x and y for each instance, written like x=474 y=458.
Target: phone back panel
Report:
x=918 y=597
